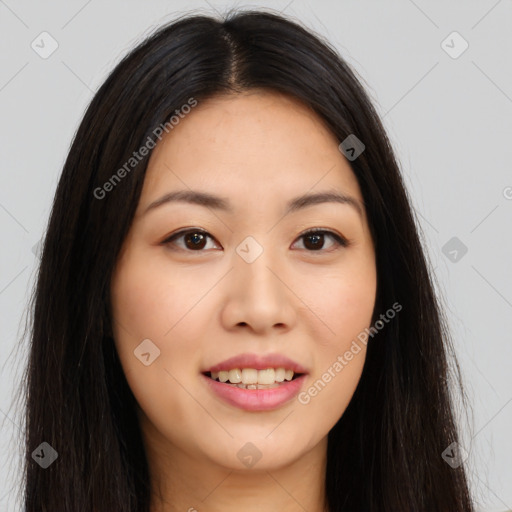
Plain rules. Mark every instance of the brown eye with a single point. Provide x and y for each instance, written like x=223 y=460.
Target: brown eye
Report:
x=315 y=240
x=193 y=239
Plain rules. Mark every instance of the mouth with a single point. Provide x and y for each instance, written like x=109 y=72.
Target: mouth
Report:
x=255 y=382
x=254 y=390
x=253 y=379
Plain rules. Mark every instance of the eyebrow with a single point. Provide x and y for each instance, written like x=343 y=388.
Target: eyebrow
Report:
x=220 y=203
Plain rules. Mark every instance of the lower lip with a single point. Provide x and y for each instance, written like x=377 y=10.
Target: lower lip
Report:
x=256 y=399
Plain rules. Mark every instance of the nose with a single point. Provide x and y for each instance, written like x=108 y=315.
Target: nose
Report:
x=259 y=296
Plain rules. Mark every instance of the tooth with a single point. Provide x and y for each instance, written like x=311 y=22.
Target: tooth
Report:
x=255 y=386
x=235 y=376
x=266 y=376
x=266 y=386
x=288 y=375
x=249 y=376
x=280 y=372
x=245 y=376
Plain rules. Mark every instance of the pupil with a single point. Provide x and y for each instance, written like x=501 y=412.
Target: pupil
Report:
x=196 y=238
x=316 y=239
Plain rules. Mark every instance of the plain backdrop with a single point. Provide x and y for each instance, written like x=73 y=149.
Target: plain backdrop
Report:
x=447 y=109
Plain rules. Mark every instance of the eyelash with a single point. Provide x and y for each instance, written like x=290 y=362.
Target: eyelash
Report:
x=340 y=241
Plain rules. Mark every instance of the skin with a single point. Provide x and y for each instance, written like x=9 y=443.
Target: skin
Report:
x=201 y=306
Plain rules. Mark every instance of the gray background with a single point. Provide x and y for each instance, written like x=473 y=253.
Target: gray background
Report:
x=448 y=118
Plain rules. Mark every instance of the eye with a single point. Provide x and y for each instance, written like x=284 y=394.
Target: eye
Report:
x=194 y=239
x=314 y=239
x=197 y=239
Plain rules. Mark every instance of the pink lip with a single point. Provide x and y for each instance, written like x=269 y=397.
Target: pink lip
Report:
x=256 y=399
x=258 y=362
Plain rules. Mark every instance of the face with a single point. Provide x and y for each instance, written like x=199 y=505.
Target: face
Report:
x=201 y=282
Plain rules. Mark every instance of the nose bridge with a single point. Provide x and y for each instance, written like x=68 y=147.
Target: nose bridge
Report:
x=260 y=295
x=253 y=263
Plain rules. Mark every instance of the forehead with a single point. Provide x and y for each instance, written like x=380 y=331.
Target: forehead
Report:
x=257 y=144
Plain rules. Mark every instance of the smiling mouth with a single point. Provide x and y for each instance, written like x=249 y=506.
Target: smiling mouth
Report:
x=250 y=378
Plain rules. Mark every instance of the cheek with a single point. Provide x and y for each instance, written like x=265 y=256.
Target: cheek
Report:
x=152 y=302
x=143 y=312
x=340 y=304
x=351 y=308
x=343 y=303
x=149 y=301
x=329 y=392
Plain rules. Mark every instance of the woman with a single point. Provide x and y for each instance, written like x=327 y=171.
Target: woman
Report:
x=233 y=308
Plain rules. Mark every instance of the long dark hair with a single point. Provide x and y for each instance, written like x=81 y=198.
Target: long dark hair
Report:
x=385 y=451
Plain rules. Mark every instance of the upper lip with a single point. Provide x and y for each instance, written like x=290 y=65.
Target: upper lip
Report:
x=258 y=362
